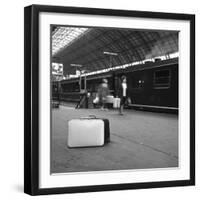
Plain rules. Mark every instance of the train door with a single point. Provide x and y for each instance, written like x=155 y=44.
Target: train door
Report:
x=83 y=83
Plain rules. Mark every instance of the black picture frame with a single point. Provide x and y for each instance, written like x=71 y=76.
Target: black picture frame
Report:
x=31 y=98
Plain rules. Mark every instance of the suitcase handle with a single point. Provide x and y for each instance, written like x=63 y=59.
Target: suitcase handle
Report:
x=92 y=116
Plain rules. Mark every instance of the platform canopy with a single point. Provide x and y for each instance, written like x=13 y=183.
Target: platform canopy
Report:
x=99 y=48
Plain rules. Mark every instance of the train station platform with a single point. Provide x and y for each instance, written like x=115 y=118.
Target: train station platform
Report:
x=139 y=140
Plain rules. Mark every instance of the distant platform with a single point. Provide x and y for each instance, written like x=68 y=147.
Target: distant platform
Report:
x=139 y=140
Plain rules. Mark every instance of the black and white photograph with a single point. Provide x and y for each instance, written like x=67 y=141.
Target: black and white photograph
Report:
x=109 y=100
x=99 y=100
x=114 y=99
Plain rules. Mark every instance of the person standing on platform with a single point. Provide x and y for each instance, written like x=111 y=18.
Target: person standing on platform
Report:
x=103 y=92
x=122 y=94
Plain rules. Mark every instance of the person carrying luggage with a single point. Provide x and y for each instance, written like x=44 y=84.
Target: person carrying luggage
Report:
x=103 y=92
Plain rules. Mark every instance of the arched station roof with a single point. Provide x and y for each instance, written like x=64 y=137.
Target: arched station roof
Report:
x=89 y=47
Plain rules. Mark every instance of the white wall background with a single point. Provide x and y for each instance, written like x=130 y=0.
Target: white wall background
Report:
x=11 y=101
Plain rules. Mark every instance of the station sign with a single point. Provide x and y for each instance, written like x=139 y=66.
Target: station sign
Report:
x=57 y=69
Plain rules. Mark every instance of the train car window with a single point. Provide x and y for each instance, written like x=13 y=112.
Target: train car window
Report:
x=162 y=79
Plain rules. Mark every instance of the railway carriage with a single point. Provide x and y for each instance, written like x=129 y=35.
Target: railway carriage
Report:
x=151 y=86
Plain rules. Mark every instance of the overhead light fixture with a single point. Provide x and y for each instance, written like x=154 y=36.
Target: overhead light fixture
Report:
x=64 y=36
x=110 y=53
x=76 y=65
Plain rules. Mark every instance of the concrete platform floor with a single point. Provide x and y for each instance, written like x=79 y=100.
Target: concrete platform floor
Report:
x=139 y=140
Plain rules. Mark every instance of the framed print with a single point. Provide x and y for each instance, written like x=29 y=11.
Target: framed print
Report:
x=109 y=99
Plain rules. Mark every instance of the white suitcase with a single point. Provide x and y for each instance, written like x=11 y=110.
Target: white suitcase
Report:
x=87 y=132
x=110 y=99
x=116 y=103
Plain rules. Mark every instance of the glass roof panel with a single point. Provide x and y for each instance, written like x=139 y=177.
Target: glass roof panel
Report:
x=64 y=36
